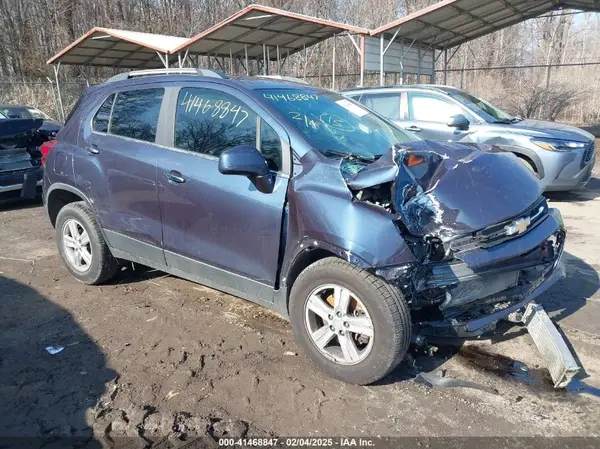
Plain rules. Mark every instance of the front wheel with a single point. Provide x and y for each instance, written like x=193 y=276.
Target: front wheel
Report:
x=352 y=324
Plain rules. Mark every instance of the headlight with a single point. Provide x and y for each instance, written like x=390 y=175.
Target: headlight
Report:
x=559 y=145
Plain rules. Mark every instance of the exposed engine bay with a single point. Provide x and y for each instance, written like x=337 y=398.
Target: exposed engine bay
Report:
x=480 y=256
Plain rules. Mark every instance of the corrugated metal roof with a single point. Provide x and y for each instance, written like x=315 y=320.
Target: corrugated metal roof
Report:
x=453 y=22
x=118 y=48
x=256 y=25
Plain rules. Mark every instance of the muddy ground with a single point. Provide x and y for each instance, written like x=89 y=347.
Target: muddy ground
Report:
x=160 y=359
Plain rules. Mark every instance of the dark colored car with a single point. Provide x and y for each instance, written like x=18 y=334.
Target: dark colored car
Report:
x=48 y=128
x=20 y=158
x=303 y=201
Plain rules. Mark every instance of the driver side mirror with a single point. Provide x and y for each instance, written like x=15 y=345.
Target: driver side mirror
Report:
x=459 y=121
x=247 y=161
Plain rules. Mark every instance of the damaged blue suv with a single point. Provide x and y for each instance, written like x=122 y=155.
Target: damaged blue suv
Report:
x=301 y=200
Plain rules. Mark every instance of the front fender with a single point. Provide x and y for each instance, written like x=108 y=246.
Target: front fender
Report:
x=324 y=214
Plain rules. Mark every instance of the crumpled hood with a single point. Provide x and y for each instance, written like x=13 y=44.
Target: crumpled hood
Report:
x=449 y=189
x=549 y=130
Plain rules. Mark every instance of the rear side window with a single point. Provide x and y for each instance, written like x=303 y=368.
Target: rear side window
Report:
x=387 y=105
x=135 y=114
x=209 y=122
x=100 y=122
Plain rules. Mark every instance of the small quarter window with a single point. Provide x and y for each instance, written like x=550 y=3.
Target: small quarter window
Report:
x=100 y=122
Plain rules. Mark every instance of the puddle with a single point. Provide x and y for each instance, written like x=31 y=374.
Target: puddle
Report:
x=537 y=378
x=505 y=367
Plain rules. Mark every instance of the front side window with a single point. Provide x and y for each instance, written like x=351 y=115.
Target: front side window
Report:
x=335 y=125
x=135 y=114
x=209 y=122
x=102 y=117
x=479 y=105
x=387 y=105
x=431 y=108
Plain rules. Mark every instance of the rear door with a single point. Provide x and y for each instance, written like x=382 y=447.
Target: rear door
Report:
x=387 y=104
x=217 y=227
x=116 y=167
x=429 y=114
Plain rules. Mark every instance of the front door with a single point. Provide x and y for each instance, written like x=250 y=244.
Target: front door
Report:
x=429 y=114
x=220 y=227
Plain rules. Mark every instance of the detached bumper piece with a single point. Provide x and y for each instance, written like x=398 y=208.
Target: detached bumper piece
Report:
x=552 y=347
x=24 y=182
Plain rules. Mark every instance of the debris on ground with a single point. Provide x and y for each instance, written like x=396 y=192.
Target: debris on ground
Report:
x=54 y=349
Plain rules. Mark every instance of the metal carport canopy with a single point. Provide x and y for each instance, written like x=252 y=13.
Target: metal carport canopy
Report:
x=245 y=33
x=453 y=22
x=109 y=47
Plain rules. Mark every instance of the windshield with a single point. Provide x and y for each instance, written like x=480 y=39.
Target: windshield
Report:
x=15 y=112
x=479 y=105
x=335 y=125
x=36 y=113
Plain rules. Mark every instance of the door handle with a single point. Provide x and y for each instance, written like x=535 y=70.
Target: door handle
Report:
x=414 y=129
x=174 y=177
x=92 y=149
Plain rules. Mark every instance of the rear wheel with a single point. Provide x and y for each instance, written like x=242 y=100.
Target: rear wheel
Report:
x=82 y=246
x=352 y=324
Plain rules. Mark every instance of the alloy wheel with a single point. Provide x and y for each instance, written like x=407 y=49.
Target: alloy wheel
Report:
x=338 y=324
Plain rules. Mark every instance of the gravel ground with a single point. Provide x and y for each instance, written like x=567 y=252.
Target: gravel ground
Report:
x=160 y=359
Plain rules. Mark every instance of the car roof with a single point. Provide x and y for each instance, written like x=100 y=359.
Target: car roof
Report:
x=247 y=82
x=14 y=106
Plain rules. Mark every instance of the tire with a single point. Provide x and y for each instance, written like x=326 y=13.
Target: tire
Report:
x=529 y=165
x=102 y=265
x=384 y=304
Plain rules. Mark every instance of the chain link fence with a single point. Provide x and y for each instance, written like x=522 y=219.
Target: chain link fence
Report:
x=42 y=94
x=567 y=93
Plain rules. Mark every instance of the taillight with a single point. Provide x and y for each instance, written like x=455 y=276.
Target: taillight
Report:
x=45 y=150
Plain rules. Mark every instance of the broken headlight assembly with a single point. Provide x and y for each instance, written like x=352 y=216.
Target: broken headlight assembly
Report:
x=559 y=145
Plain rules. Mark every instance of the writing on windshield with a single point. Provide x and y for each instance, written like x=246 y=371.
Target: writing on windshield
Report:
x=334 y=124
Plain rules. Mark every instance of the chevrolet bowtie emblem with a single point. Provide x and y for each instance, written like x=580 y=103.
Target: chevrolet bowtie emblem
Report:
x=518 y=226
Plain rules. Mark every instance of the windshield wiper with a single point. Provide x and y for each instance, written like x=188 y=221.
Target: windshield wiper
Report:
x=508 y=121
x=362 y=157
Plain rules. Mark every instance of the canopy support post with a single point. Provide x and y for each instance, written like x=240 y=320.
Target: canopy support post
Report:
x=381 y=56
x=278 y=62
x=231 y=62
x=382 y=52
x=333 y=65
x=445 y=66
x=433 y=60
x=58 y=94
x=164 y=60
x=265 y=70
x=305 y=61
x=246 y=57
x=362 y=59
x=361 y=54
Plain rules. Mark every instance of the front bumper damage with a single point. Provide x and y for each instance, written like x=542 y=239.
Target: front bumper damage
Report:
x=494 y=282
x=484 y=241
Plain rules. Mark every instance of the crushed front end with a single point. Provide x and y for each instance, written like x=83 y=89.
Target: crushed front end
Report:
x=485 y=241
